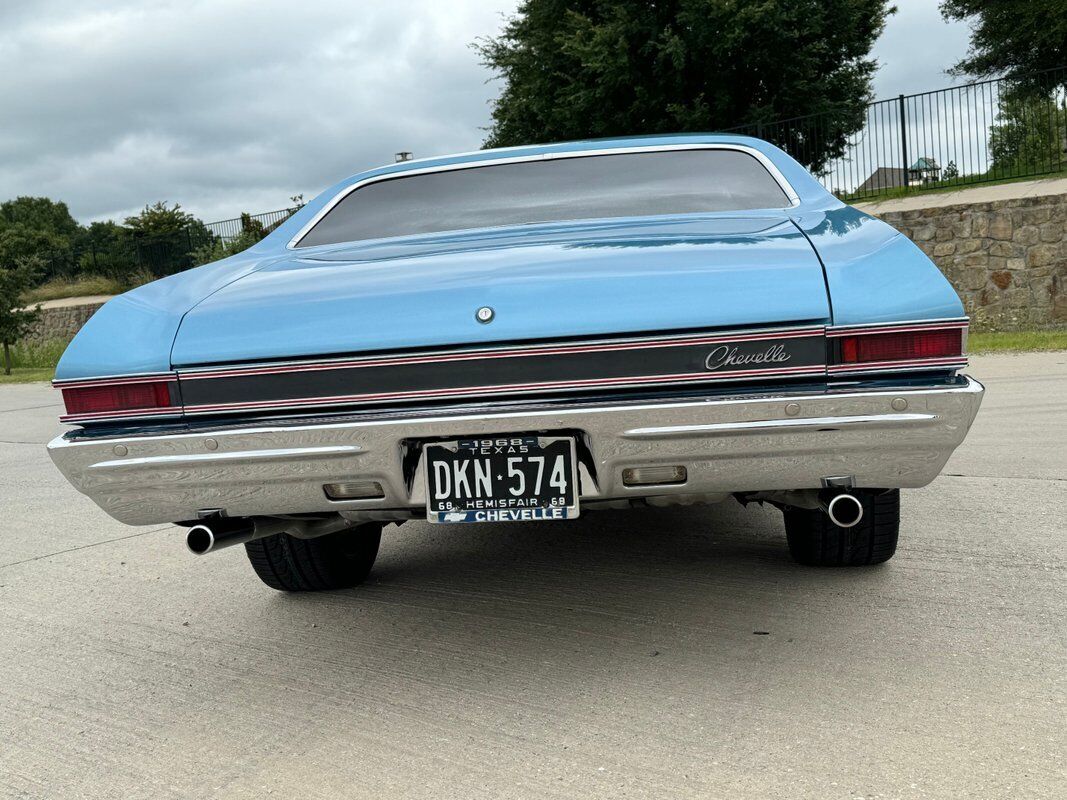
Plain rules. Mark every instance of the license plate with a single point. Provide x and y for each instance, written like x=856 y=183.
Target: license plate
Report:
x=502 y=479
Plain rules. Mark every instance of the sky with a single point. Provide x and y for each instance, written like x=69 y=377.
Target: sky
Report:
x=227 y=106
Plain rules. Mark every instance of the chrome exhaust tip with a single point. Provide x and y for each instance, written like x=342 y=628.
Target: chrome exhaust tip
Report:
x=207 y=537
x=219 y=532
x=844 y=510
x=200 y=540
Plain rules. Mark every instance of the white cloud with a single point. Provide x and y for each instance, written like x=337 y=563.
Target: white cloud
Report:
x=234 y=105
x=916 y=49
x=230 y=105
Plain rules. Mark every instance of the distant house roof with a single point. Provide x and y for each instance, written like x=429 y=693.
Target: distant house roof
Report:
x=925 y=162
x=883 y=178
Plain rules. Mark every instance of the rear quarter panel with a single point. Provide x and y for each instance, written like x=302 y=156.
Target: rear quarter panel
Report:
x=873 y=272
x=134 y=332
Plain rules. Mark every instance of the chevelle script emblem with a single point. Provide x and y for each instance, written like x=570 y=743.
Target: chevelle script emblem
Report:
x=727 y=356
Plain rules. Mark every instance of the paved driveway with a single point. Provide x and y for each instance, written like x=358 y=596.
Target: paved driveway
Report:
x=660 y=654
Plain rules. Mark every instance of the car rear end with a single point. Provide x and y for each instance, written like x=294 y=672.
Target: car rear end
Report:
x=879 y=405
x=546 y=365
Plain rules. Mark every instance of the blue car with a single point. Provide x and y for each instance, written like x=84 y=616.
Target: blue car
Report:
x=528 y=334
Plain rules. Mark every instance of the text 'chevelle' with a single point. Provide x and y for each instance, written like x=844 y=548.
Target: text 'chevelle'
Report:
x=528 y=334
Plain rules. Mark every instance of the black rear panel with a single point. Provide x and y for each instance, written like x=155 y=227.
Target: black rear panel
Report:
x=574 y=368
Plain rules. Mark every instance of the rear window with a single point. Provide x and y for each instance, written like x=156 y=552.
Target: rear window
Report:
x=585 y=187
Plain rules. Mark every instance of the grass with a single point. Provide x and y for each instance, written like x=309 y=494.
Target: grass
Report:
x=1017 y=341
x=33 y=361
x=84 y=286
x=22 y=375
x=950 y=185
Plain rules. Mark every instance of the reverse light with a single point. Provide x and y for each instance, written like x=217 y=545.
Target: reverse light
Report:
x=653 y=476
x=354 y=490
x=903 y=346
x=114 y=399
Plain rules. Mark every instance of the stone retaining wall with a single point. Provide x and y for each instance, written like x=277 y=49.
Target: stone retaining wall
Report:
x=1006 y=258
x=61 y=322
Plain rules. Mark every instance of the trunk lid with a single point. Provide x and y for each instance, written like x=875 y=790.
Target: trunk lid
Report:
x=542 y=282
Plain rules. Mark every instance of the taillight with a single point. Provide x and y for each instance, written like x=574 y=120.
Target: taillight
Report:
x=117 y=399
x=901 y=346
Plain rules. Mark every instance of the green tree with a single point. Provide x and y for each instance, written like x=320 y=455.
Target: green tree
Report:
x=164 y=238
x=105 y=249
x=19 y=240
x=574 y=69
x=1011 y=38
x=15 y=321
x=252 y=231
x=951 y=171
x=159 y=219
x=1028 y=136
x=39 y=213
x=38 y=226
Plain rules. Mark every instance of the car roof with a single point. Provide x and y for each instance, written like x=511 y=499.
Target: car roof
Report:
x=805 y=192
x=575 y=146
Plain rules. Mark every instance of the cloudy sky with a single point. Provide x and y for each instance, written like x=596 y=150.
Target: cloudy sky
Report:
x=235 y=105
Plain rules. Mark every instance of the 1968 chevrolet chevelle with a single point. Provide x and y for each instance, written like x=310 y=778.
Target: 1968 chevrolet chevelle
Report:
x=528 y=334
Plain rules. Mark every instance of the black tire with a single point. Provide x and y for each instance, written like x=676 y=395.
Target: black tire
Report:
x=817 y=542
x=337 y=561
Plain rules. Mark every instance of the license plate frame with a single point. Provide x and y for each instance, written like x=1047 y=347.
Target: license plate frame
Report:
x=532 y=503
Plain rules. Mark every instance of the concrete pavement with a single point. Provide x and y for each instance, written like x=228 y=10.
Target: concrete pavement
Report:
x=675 y=653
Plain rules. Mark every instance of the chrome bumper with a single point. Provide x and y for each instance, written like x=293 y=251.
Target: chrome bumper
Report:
x=885 y=439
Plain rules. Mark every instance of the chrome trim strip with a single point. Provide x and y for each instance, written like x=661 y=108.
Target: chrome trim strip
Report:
x=115 y=380
x=513 y=351
x=133 y=413
x=779 y=178
x=938 y=321
x=773 y=425
x=899 y=370
x=506 y=389
x=895 y=327
x=948 y=362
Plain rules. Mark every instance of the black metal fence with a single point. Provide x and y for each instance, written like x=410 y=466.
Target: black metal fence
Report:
x=129 y=256
x=230 y=229
x=126 y=256
x=979 y=132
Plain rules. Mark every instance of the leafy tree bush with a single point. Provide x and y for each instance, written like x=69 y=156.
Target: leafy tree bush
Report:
x=15 y=321
x=1011 y=38
x=37 y=226
x=39 y=213
x=159 y=219
x=105 y=249
x=164 y=238
x=19 y=240
x=252 y=231
x=1028 y=136
x=160 y=240
x=574 y=69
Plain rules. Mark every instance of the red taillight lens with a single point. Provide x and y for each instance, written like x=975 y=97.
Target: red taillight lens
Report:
x=120 y=397
x=901 y=346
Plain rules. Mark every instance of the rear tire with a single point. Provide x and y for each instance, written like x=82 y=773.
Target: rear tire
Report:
x=817 y=542
x=336 y=561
